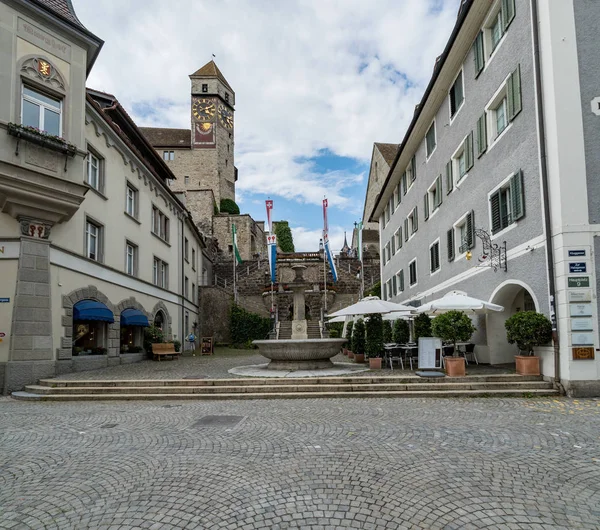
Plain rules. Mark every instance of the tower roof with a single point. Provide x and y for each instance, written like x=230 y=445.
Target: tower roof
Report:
x=210 y=69
x=345 y=248
x=62 y=8
x=388 y=151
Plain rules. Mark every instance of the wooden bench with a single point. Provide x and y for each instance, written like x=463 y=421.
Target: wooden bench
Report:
x=162 y=349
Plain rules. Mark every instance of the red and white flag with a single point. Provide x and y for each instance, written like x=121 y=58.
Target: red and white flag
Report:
x=325 y=225
x=269 y=204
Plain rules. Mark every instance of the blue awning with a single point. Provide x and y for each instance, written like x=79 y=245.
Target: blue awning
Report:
x=92 y=310
x=134 y=317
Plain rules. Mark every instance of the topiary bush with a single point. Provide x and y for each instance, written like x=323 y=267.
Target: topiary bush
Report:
x=453 y=326
x=229 y=206
x=246 y=326
x=374 y=339
x=285 y=240
x=358 y=337
x=528 y=329
x=348 y=336
x=388 y=332
x=422 y=326
x=152 y=335
x=401 y=332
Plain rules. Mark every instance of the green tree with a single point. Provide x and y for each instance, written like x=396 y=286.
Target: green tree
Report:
x=528 y=329
x=375 y=290
x=453 y=326
x=152 y=335
x=285 y=239
x=246 y=326
x=388 y=331
x=349 y=335
x=374 y=341
x=401 y=331
x=422 y=326
x=358 y=337
x=229 y=206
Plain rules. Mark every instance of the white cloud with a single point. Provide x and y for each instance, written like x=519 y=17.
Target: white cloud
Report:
x=308 y=75
x=307 y=240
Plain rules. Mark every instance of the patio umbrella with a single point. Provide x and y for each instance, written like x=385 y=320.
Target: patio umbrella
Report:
x=397 y=315
x=458 y=301
x=339 y=319
x=371 y=305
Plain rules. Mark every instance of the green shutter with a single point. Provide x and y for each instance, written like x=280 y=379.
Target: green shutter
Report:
x=413 y=164
x=431 y=260
x=496 y=218
x=469 y=151
x=393 y=245
x=402 y=280
x=426 y=206
x=451 y=244
x=513 y=88
x=399 y=238
x=508 y=13
x=400 y=191
x=449 y=179
x=439 y=191
x=517 y=196
x=478 y=54
x=416 y=219
x=405 y=229
x=403 y=180
x=394 y=285
x=482 y=135
x=471 y=229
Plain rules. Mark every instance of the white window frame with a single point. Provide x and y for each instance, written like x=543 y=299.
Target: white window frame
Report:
x=489 y=50
x=462 y=221
x=98 y=238
x=411 y=226
x=164 y=224
x=411 y=285
x=398 y=240
x=500 y=96
x=430 y=194
x=398 y=283
x=505 y=184
x=168 y=156
x=42 y=107
x=460 y=151
x=160 y=273
x=134 y=258
x=427 y=153
x=436 y=242
x=91 y=157
x=131 y=198
x=451 y=116
x=409 y=175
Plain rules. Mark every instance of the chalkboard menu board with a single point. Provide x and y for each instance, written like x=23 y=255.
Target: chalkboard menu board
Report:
x=206 y=346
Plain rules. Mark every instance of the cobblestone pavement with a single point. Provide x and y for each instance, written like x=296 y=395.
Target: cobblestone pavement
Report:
x=315 y=464
x=217 y=366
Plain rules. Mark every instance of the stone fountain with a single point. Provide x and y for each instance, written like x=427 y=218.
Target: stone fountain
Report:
x=299 y=352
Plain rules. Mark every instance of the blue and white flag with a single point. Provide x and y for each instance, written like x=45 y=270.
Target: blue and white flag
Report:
x=272 y=253
x=330 y=257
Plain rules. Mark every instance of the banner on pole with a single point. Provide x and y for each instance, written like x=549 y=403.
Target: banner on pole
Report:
x=269 y=204
x=330 y=257
x=325 y=224
x=359 y=239
x=272 y=253
x=236 y=252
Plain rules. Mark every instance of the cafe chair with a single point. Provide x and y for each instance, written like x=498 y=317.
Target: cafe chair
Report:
x=470 y=350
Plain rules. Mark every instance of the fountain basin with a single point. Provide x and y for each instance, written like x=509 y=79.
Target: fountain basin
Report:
x=304 y=354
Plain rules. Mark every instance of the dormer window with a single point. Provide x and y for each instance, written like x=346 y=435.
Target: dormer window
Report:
x=41 y=111
x=204 y=87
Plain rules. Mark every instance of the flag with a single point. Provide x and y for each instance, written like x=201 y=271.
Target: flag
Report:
x=330 y=257
x=269 y=205
x=359 y=228
x=325 y=225
x=236 y=252
x=272 y=253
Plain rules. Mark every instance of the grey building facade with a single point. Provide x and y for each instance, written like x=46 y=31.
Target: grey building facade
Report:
x=506 y=116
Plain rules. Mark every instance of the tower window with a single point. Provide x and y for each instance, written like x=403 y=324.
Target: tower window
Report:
x=168 y=155
x=226 y=162
x=226 y=96
x=187 y=179
x=204 y=87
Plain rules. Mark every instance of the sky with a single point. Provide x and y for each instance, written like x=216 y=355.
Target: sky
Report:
x=317 y=82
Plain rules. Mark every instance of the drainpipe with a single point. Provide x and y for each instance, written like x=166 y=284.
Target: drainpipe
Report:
x=545 y=192
x=182 y=321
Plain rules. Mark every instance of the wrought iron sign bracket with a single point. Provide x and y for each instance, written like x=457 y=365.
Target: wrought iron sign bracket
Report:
x=493 y=254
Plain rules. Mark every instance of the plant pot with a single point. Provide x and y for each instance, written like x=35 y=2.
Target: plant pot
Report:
x=527 y=364
x=455 y=366
x=345 y=351
x=350 y=355
x=375 y=363
x=359 y=357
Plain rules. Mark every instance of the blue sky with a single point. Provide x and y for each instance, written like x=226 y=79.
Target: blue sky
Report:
x=317 y=82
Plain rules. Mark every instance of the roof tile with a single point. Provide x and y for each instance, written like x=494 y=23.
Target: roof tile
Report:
x=162 y=137
x=388 y=151
x=211 y=69
x=62 y=8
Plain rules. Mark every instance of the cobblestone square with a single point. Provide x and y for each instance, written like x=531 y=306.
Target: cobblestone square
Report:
x=316 y=464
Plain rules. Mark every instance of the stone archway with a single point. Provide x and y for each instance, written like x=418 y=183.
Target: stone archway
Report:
x=514 y=296
x=68 y=301
x=160 y=306
x=131 y=303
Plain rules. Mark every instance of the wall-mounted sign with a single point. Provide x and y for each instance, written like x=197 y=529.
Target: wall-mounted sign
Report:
x=580 y=296
x=579 y=281
x=9 y=249
x=581 y=324
x=577 y=267
x=583 y=354
x=581 y=310
x=574 y=253
x=4 y=300
x=582 y=339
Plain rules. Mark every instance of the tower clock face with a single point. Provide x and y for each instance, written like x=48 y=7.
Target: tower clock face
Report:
x=226 y=117
x=203 y=109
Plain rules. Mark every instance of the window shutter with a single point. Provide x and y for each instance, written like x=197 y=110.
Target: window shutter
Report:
x=449 y=179
x=439 y=192
x=399 y=238
x=393 y=245
x=508 y=13
x=451 y=244
x=517 y=196
x=515 y=104
x=437 y=256
x=431 y=258
x=478 y=54
x=471 y=229
x=416 y=219
x=403 y=180
x=413 y=163
x=495 y=206
x=482 y=135
x=400 y=192
x=405 y=229
x=426 y=206
x=394 y=285
x=469 y=151
x=402 y=280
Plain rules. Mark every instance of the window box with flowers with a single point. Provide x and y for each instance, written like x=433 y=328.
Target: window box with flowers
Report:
x=41 y=138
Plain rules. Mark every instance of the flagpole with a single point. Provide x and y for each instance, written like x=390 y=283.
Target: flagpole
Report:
x=234 y=282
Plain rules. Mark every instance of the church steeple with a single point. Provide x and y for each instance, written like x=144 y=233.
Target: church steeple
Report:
x=345 y=248
x=210 y=81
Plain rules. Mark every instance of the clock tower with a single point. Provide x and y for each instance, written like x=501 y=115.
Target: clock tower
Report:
x=212 y=140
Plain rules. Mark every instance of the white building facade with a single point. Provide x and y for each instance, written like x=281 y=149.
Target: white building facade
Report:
x=498 y=165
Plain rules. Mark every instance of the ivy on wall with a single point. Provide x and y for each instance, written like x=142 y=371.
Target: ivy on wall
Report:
x=285 y=239
x=229 y=206
x=246 y=326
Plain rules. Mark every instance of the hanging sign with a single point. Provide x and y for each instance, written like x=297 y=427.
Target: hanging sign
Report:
x=579 y=281
x=577 y=267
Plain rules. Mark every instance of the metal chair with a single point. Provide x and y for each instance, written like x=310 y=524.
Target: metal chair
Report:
x=395 y=354
x=470 y=350
x=411 y=353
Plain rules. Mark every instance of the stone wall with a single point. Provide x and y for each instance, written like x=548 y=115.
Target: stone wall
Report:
x=250 y=236
x=201 y=205
x=214 y=313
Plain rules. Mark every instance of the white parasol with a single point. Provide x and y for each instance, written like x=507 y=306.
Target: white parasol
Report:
x=458 y=301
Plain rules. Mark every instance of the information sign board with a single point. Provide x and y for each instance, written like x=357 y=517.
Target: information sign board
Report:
x=579 y=281
x=581 y=310
x=430 y=352
x=577 y=267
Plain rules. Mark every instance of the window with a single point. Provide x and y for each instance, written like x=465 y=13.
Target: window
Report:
x=394 y=285
x=463 y=235
x=389 y=288
x=186 y=287
x=403 y=182
x=186 y=179
x=204 y=87
x=456 y=95
x=194 y=259
x=398 y=193
x=434 y=257
x=412 y=273
x=393 y=244
x=398 y=238
x=160 y=273
x=226 y=96
x=400 y=281
x=411 y=171
x=433 y=197
x=41 y=111
x=449 y=178
x=93 y=240
x=386 y=254
x=168 y=155
x=193 y=292
x=463 y=158
x=93 y=175
x=186 y=249
x=500 y=117
x=131 y=207
x=387 y=214
x=411 y=224
x=496 y=30
x=502 y=109
x=131 y=259
x=430 y=140
x=392 y=205
x=160 y=224
x=507 y=204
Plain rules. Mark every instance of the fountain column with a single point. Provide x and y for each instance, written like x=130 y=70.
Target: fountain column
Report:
x=299 y=323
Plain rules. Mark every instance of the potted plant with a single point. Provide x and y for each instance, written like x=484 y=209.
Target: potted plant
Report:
x=388 y=331
x=358 y=341
x=401 y=332
x=453 y=326
x=348 y=349
x=177 y=345
x=422 y=326
x=376 y=329
x=528 y=329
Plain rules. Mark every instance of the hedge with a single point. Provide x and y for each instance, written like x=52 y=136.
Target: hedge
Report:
x=246 y=326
